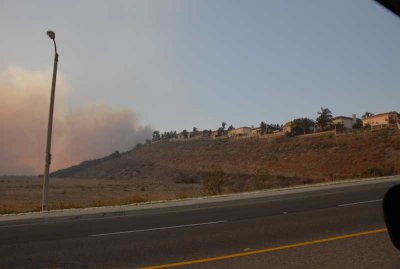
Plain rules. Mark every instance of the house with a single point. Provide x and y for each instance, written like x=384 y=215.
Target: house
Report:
x=347 y=122
x=256 y=131
x=218 y=133
x=242 y=131
x=181 y=136
x=214 y=134
x=382 y=119
x=287 y=127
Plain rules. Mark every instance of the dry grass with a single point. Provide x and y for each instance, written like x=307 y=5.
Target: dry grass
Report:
x=178 y=169
x=23 y=194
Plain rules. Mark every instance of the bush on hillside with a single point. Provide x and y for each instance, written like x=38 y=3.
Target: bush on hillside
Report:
x=214 y=181
x=387 y=170
x=260 y=179
x=138 y=146
x=186 y=179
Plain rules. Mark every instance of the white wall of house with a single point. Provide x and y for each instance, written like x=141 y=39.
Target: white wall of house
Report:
x=347 y=123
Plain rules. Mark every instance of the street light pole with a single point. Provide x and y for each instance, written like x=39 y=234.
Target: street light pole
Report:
x=45 y=200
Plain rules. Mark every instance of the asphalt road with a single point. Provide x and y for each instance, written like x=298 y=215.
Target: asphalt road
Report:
x=331 y=228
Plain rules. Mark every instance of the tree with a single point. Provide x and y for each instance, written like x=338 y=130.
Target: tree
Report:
x=358 y=124
x=206 y=132
x=302 y=125
x=367 y=115
x=156 y=136
x=195 y=130
x=324 y=118
x=263 y=127
x=273 y=127
x=185 y=133
x=230 y=128
x=220 y=131
x=223 y=126
x=138 y=146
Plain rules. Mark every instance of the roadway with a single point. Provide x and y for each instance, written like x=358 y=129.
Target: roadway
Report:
x=338 y=227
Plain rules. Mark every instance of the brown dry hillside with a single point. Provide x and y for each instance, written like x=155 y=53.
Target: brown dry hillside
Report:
x=301 y=159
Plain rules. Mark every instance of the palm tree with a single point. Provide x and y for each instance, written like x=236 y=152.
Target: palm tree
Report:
x=324 y=118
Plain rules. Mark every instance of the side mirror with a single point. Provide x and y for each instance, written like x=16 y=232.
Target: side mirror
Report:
x=391 y=212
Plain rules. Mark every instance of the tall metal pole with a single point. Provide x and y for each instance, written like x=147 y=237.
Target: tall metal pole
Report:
x=45 y=200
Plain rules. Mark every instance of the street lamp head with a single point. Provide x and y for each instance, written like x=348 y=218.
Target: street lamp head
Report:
x=51 y=34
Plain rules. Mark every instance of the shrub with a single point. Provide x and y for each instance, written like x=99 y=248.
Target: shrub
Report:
x=136 y=199
x=139 y=146
x=260 y=179
x=288 y=134
x=214 y=181
x=386 y=170
x=186 y=179
x=372 y=172
x=182 y=195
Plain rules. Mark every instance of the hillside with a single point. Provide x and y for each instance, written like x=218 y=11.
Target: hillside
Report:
x=291 y=160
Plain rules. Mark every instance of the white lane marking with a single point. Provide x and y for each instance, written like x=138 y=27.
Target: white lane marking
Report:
x=161 y=228
x=363 y=202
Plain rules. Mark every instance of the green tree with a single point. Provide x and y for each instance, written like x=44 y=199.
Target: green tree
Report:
x=156 y=135
x=223 y=125
x=220 y=131
x=302 y=125
x=272 y=127
x=325 y=118
x=138 y=146
x=195 y=130
x=358 y=124
x=230 y=128
x=263 y=127
x=207 y=132
x=185 y=133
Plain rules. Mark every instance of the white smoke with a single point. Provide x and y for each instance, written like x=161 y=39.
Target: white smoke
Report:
x=91 y=131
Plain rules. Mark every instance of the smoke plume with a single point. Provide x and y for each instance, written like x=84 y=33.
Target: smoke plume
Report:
x=91 y=131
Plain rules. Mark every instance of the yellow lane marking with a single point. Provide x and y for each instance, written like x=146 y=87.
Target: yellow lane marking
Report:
x=265 y=250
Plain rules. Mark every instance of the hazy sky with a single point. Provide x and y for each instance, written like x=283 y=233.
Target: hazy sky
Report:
x=179 y=64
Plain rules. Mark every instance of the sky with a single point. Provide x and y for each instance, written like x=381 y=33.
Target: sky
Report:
x=178 y=64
